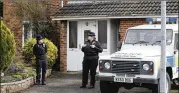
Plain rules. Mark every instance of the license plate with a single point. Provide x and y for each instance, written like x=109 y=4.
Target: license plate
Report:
x=122 y=79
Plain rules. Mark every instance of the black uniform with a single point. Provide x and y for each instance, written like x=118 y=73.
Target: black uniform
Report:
x=40 y=51
x=90 y=61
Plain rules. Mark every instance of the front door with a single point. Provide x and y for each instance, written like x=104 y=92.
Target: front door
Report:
x=86 y=26
x=77 y=35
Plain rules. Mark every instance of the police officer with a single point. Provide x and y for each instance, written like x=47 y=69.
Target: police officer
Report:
x=90 y=60
x=40 y=50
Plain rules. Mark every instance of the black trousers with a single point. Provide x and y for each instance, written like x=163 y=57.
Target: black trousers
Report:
x=40 y=64
x=89 y=64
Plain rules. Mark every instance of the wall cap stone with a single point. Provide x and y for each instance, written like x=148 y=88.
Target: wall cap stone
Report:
x=17 y=82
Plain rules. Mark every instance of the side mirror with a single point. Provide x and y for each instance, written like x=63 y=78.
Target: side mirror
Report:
x=119 y=46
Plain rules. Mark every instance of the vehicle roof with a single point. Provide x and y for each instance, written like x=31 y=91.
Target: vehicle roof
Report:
x=174 y=27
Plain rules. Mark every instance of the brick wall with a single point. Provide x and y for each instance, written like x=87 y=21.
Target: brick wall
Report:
x=62 y=47
x=56 y=4
x=13 y=22
x=61 y=27
x=126 y=23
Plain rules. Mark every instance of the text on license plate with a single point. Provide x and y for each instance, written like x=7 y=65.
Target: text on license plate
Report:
x=122 y=79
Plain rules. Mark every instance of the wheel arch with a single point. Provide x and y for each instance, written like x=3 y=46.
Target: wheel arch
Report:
x=169 y=71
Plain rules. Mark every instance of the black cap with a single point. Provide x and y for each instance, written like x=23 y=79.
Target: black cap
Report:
x=91 y=34
x=39 y=37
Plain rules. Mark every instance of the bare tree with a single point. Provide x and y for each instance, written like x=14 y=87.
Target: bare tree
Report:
x=36 y=12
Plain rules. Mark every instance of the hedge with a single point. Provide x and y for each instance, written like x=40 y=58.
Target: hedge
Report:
x=7 y=47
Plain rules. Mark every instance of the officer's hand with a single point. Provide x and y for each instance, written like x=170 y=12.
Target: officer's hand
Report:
x=93 y=46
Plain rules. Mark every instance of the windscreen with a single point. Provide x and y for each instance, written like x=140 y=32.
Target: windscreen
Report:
x=147 y=36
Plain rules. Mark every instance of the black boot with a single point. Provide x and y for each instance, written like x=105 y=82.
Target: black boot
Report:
x=43 y=83
x=83 y=86
x=37 y=83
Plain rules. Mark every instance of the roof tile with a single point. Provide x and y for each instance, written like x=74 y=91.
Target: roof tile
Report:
x=123 y=8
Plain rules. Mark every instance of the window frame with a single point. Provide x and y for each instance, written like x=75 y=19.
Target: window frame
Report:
x=68 y=36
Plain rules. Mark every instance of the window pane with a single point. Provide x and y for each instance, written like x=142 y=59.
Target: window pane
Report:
x=102 y=33
x=86 y=35
x=73 y=34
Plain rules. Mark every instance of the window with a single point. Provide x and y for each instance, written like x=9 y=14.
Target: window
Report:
x=86 y=35
x=148 y=36
x=102 y=33
x=176 y=41
x=27 y=31
x=72 y=34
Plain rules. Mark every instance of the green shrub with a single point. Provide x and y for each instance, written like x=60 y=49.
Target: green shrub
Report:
x=17 y=76
x=7 y=47
x=31 y=74
x=51 y=52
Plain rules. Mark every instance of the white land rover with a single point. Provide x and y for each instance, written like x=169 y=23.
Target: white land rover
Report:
x=137 y=63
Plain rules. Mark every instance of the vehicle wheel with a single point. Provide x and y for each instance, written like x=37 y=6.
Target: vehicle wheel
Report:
x=156 y=88
x=108 y=87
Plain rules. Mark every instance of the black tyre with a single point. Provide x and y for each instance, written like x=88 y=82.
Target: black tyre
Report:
x=108 y=87
x=156 y=88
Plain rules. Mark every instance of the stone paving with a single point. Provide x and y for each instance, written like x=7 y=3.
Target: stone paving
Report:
x=70 y=83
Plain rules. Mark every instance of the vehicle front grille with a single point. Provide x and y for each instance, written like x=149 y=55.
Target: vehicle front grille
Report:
x=126 y=67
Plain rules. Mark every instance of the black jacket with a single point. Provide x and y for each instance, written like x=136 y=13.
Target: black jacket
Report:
x=40 y=50
x=89 y=51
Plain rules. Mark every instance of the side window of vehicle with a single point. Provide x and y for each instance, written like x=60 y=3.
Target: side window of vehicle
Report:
x=176 y=43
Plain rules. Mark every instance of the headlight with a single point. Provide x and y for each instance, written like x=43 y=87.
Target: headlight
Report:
x=107 y=65
x=146 y=67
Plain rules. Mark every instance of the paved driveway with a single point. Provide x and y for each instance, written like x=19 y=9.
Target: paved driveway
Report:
x=70 y=83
